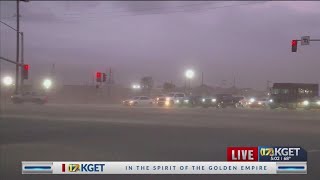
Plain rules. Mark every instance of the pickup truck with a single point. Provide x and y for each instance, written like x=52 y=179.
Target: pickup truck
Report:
x=227 y=100
x=32 y=97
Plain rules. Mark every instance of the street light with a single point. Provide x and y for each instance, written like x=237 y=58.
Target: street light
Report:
x=47 y=83
x=7 y=81
x=189 y=74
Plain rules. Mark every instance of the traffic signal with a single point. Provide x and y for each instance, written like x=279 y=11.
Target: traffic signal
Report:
x=294 y=45
x=25 y=70
x=104 y=78
x=98 y=76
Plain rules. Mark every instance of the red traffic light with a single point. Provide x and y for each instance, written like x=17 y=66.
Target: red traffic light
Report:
x=294 y=43
x=25 y=71
x=26 y=67
x=98 y=75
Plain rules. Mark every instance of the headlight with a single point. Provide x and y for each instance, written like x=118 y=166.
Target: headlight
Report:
x=252 y=100
x=157 y=99
x=186 y=101
x=271 y=100
x=259 y=103
x=167 y=99
x=167 y=103
x=177 y=101
x=130 y=102
x=203 y=100
x=305 y=103
x=213 y=100
x=318 y=102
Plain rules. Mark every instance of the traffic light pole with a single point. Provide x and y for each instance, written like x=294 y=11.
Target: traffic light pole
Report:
x=311 y=40
x=22 y=60
x=305 y=40
x=10 y=61
x=17 y=48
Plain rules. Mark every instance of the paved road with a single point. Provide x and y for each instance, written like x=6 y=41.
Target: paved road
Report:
x=114 y=133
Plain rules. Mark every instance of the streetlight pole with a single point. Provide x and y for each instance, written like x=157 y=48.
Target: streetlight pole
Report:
x=189 y=75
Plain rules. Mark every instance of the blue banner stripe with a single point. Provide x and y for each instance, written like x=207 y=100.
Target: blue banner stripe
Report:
x=291 y=167
x=37 y=167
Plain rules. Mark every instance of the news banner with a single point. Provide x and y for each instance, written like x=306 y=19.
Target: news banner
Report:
x=240 y=160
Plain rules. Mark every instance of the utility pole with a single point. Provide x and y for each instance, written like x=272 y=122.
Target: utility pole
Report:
x=202 y=79
x=22 y=58
x=17 y=48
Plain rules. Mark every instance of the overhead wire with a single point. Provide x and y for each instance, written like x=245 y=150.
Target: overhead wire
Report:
x=154 y=8
x=195 y=10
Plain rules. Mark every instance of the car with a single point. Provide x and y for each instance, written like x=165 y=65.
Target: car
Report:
x=127 y=102
x=190 y=101
x=174 y=98
x=160 y=100
x=258 y=103
x=226 y=100
x=313 y=103
x=33 y=97
x=209 y=102
x=138 y=100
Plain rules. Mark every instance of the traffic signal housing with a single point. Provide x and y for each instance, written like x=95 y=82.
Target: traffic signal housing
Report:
x=294 y=45
x=25 y=71
x=98 y=76
x=104 y=77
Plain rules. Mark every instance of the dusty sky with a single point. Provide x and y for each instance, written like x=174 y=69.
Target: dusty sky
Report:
x=163 y=39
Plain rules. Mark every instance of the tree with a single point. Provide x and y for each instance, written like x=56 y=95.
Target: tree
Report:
x=167 y=87
x=146 y=83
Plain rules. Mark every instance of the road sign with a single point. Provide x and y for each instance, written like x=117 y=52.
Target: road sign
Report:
x=305 y=40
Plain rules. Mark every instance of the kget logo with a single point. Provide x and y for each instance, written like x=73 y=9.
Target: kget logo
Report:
x=74 y=167
x=282 y=153
x=267 y=152
x=83 y=167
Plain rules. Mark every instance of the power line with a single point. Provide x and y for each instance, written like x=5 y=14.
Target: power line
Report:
x=155 y=8
x=202 y=9
x=179 y=11
x=8 y=25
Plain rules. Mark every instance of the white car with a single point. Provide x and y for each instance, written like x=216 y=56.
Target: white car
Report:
x=33 y=97
x=138 y=100
x=174 y=98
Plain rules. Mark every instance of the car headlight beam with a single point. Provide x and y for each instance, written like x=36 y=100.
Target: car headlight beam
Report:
x=305 y=103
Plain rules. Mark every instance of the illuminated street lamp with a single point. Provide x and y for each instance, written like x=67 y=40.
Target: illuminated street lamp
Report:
x=189 y=74
x=47 y=83
x=7 y=81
